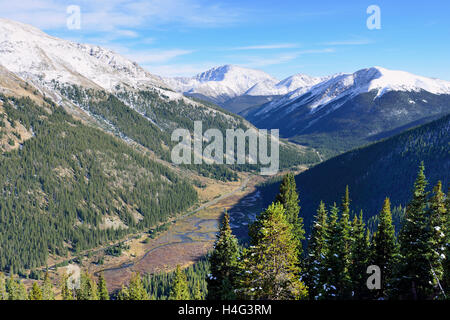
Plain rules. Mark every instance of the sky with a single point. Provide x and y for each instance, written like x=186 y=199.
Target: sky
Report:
x=282 y=38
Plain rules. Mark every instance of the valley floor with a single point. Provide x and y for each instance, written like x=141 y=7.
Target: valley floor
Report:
x=187 y=238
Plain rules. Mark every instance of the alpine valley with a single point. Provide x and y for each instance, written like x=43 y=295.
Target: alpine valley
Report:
x=88 y=187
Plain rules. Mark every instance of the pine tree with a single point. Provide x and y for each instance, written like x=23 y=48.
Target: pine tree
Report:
x=446 y=262
x=197 y=291
x=270 y=266
x=22 y=291
x=16 y=289
x=416 y=275
x=223 y=259
x=336 y=275
x=102 y=289
x=288 y=197
x=316 y=253
x=88 y=287
x=438 y=239
x=136 y=289
x=123 y=294
x=47 y=289
x=360 y=257
x=345 y=229
x=179 y=290
x=35 y=292
x=385 y=249
x=66 y=291
x=3 y=293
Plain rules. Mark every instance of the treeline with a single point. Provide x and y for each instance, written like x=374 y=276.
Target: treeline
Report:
x=159 y=286
x=86 y=288
x=59 y=187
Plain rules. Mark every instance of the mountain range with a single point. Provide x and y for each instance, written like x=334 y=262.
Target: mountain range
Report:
x=333 y=113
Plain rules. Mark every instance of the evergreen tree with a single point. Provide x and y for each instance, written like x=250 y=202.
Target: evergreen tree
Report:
x=47 y=289
x=345 y=229
x=123 y=294
x=3 y=293
x=270 y=266
x=385 y=249
x=197 y=291
x=66 y=291
x=16 y=289
x=360 y=258
x=88 y=287
x=336 y=275
x=288 y=197
x=22 y=291
x=316 y=253
x=136 y=290
x=223 y=259
x=416 y=275
x=35 y=292
x=446 y=262
x=102 y=289
x=438 y=239
x=180 y=290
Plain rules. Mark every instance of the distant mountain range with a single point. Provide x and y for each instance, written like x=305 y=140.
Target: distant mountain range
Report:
x=236 y=88
x=334 y=113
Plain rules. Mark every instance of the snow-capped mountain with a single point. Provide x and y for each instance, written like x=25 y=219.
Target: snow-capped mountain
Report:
x=82 y=76
x=364 y=104
x=297 y=81
x=31 y=53
x=221 y=83
x=236 y=88
x=347 y=86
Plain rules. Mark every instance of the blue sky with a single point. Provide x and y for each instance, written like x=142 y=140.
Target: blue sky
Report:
x=184 y=37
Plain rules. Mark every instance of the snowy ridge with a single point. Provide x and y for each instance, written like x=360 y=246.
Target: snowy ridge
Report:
x=222 y=82
x=346 y=86
x=297 y=81
x=229 y=81
x=31 y=53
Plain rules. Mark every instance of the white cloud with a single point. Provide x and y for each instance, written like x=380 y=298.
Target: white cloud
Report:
x=117 y=15
x=268 y=46
x=178 y=70
x=258 y=62
x=348 y=42
x=146 y=57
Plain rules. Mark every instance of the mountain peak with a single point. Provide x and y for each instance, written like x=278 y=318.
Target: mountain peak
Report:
x=33 y=54
x=384 y=80
x=233 y=72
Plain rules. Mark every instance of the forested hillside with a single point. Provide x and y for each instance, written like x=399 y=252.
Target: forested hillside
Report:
x=383 y=169
x=71 y=187
x=154 y=119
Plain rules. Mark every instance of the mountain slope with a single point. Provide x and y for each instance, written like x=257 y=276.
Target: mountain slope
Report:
x=31 y=53
x=69 y=187
x=349 y=110
x=111 y=92
x=384 y=169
